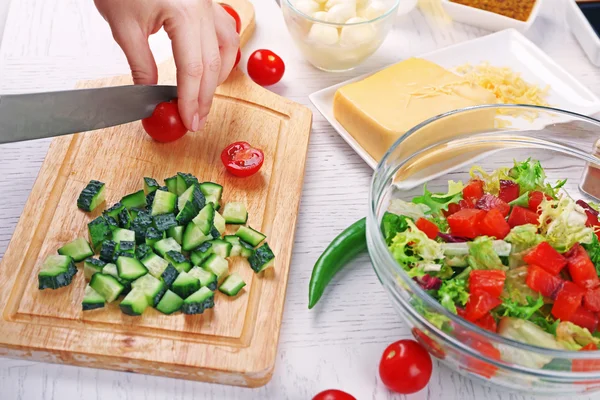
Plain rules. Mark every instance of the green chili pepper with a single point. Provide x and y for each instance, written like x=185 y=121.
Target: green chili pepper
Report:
x=340 y=252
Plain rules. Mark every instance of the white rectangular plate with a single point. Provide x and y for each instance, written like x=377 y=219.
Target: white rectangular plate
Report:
x=506 y=48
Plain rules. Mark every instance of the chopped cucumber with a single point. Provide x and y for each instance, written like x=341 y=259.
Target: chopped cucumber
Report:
x=135 y=303
x=238 y=247
x=165 y=245
x=217 y=265
x=213 y=192
x=98 y=231
x=221 y=247
x=140 y=224
x=134 y=200
x=79 y=249
x=134 y=212
x=164 y=203
x=111 y=222
x=169 y=303
x=91 y=299
x=181 y=185
x=185 y=285
x=205 y=277
x=155 y=264
x=56 y=271
x=108 y=251
x=107 y=286
x=176 y=232
x=150 y=185
x=247 y=249
x=262 y=258
x=188 y=180
x=165 y=221
x=171 y=184
x=232 y=285
x=179 y=261
x=152 y=288
x=123 y=235
x=235 y=213
x=201 y=253
x=91 y=196
x=193 y=237
x=199 y=301
x=205 y=218
x=153 y=235
x=142 y=251
x=126 y=249
x=124 y=219
x=114 y=210
x=111 y=269
x=192 y=195
x=91 y=266
x=250 y=235
x=130 y=268
x=219 y=223
x=169 y=275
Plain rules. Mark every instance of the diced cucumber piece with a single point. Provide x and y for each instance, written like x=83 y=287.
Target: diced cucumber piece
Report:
x=91 y=266
x=153 y=235
x=150 y=185
x=165 y=245
x=213 y=192
x=176 y=232
x=179 y=261
x=181 y=185
x=169 y=275
x=185 y=285
x=98 y=231
x=236 y=245
x=187 y=213
x=135 y=303
x=250 y=235
x=91 y=196
x=164 y=203
x=201 y=253
x=219 y=223
x=56 y=271
x=142 y=251
x=130 y=268
x=235 y=213
x=153 y=288
x=108 y=251
x=205 y=219
x=155 y=264
x=193 y=237
x=91 y=299
x=111 y=269
x=247 y=249
x=79 y=249
x=199 y=301
x=165 y=221
x=126 y=249
x=262 y=258
x=123 y=235
x=205 y=277
x=107 y=286
x=194 y=195
x=217 y=265
x=114 y=210
x=134 y=212
x=111 y=222
x=171 y=184
x=140 y=224
x=134 y=200
x=188 y=179
x=221 y=247
x=170 y=303
x=125 y=219
x=232 y=285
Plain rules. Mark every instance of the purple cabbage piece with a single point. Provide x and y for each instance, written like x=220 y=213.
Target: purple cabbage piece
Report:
x=448 y=238
x=428 y=282
x=587 y=207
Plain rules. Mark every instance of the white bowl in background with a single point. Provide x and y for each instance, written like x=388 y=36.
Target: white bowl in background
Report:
x=584 y=32
x=487 y=19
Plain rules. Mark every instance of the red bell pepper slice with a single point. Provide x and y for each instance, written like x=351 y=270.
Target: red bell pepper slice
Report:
x=480 y=304
x=473 y=191
x=466 y=222
x=591 y=300
x=543 y=282
x=487 y=322
x=489 y=202
x=522 y=216
x=582 y=269
x=535 y=199
x=568 y=301
x=509 y=190
x=544 y=255
x=428 y=227
x=494 y=224
x=490 y=282
x=585 y=319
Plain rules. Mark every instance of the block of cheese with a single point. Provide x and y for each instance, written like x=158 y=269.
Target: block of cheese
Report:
x=379 y=109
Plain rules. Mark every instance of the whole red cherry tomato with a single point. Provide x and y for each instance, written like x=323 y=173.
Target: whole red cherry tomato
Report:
x=333 y=394
x=235 y=15
x=165 y=124
x=405 y=367
x=241 y=159
x=265 y=67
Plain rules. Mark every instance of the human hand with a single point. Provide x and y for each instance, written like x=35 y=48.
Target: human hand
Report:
x=203 y=38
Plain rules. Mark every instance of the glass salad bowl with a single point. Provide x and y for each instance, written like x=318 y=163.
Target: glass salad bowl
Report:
x=444 y=149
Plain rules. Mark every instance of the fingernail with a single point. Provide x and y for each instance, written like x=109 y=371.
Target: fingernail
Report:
x=195 y=123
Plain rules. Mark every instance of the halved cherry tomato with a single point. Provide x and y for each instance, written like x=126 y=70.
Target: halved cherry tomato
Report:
x=509 y=190
x=489 y=202
x=428 y=227
x=265 y=67
x=585 y=319
x=494 y=224
x=466 y=222
x=543 y=255
x=486 y=349
x=591 y=300
x=165 y=124
x=473 y=191
x=235 y=15
x=487 y=281
x=568 y=301
x=480 y=304
x=241 y=159
x=544 y=282
x=522 y=216
x=333 y=394
x=487 y=322
x=405 y=367
x=431 y=345
x=581 y=268
x=535 y=199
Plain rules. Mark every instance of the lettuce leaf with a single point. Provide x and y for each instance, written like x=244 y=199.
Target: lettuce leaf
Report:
x=574 y=336
x=524 y=237
x=420 y=248
x=515 y=309
x=483 y=256
x=491 y=181
x=593 y=250
x=451 y=292
x=436 y=202
x=529 y=174
x=391 y=224
x=562 y=222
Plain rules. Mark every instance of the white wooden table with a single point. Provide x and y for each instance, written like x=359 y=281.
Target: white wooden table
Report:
x=50 y=44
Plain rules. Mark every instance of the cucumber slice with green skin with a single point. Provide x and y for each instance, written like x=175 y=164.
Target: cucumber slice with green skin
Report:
x=165 y=245
x=178 y=260
x=140 y=224
x=201 y=253
x=205 y=277
x=170 y=303
x=194 y=195
x=112 y=223
x=150 y=185
x=155 y=264
x=57 y=271
x=98 y=231
x=217 y=265
x=107 y=286
x=199 y=301
x=205 y=218
x=123 y=235
x=213 y=192
x=235 y=213
x=125 y=219
x=114 y=210
x=164 y=203
x=153 y=235
x=79 y=249
x=92 y=266
x=193 y=237
x=232 y=285
x=236 y=246
x=181 y=185
x=91 y=196
x=135 y=303
x=142 y=251
x=111 y=269
x=250 y=235
x=187 y=213
x=134 y=212
x=130 y=268
x=126 y=249
x=262 y=258
x=176 y=233
x=214 y=233
x=165 y=221
x=188 y=179
x=108 y=251
x=92 y=300
x=171 y=184
x=219 y=223
x=185 y=285
x=153 y=288
x=134 y=200
x=247 y=249
x=169 y=275
x=221 y=247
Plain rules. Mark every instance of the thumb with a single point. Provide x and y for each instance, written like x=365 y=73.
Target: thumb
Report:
x=134 y=44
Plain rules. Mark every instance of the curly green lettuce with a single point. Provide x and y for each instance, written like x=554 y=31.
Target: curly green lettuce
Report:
x=574 y=336
x=491 y=182
x=593 y=250
x=453 y=292
x=510 y=308
x=391 y=224
x=524 y=237
x=436 y=202
x=483 y=256
x=562 y=222
x=412 y=248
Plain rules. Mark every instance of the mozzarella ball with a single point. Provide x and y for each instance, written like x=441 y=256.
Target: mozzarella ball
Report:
x=323 y=34
x=375 y=9
x=307 y=7
x=357 y=34
x=331 y=3
x=320 y=16
x=340 y=13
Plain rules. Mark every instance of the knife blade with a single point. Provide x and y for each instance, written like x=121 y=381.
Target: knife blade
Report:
x=40 y=115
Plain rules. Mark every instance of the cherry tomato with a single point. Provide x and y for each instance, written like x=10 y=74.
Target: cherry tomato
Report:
x=235 y=15
x=265 y=67
x=405 y=367
x=165 y=124
x=333 y=394
x=241 y=159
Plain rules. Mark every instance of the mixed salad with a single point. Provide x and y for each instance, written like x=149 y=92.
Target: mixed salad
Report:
x=507 y=251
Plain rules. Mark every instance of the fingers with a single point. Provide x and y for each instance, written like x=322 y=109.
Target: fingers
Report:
x=211 y=57
x=229 y=41
x=134 y=44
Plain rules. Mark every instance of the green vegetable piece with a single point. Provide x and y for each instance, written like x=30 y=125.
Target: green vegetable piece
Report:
x=142 y=251
x=164 y=222
x=593 y=250
x=451 y=292
x=510 y=308
x=107 y=286
x=412 y=246
x=262 y=258
x=391 y=224
x=185 y=285
x=188 y=179
x=98 y=231
x=125 y=219
x=150 y=185
x=521 y=201
x=171 y=184
x=436 y=202
x=170 y=303
x=92 y=300
x=524 y=237
x=176 y=232
x=201 y=253
x=79 y=249
x=108 y=251
x=135 y=303
x=199 y=301
x=483 y=256
x=563 y=224
x=153 y=235
x=57 y=271
x=179 y=261
x=91 y=196
x=92 y=266
x=115 y=210
x=169 y=275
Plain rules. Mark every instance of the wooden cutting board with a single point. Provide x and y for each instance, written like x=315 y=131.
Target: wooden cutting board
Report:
x=236 y=342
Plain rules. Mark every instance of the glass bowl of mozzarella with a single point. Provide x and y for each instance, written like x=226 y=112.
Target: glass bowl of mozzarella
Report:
x=338 y=35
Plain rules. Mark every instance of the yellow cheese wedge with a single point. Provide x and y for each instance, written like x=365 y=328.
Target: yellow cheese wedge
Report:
x=379 y=109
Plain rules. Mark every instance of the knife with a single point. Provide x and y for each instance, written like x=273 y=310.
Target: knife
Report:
x=40 y=115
